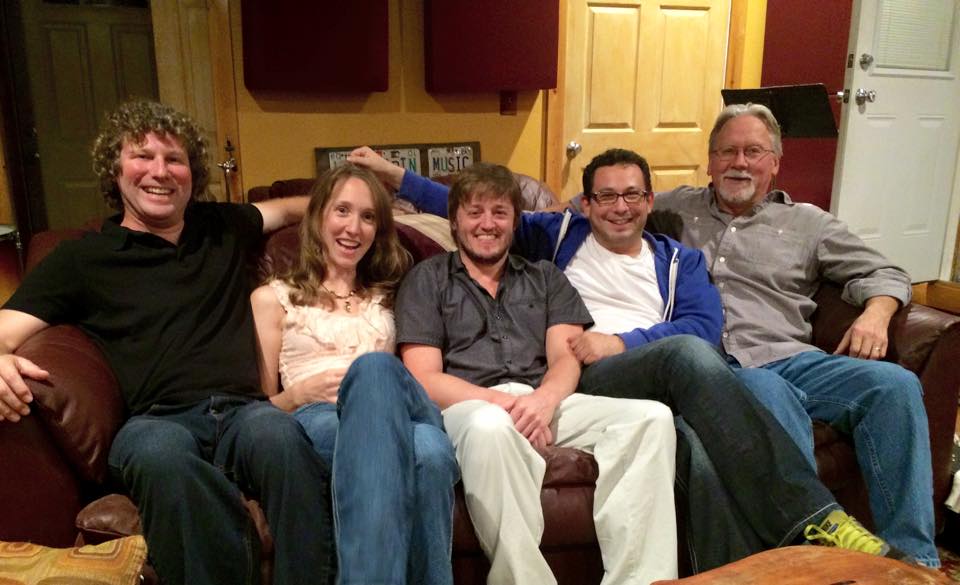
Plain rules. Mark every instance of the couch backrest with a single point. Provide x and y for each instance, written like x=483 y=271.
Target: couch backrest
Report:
x=536 y=194
x=281 y=249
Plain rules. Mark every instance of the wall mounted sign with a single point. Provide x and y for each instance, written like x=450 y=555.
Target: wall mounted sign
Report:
x=430 y=159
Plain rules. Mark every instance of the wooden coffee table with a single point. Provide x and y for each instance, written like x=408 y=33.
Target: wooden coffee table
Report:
x=815 y=565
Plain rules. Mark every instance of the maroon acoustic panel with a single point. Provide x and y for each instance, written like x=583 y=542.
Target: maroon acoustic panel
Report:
x=806 y=42
x=315 y=46
x=492 y=45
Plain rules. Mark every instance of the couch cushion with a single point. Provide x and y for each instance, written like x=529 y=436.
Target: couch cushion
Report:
x=566 y=497
x=115 y=516
x=117 y=562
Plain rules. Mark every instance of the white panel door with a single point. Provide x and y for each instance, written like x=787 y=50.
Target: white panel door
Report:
x=898 y=142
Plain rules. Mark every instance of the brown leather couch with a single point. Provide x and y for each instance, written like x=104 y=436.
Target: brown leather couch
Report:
x=534 y=194
x=53 y=475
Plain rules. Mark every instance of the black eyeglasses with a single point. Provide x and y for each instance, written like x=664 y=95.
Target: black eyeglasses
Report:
x=631 y=197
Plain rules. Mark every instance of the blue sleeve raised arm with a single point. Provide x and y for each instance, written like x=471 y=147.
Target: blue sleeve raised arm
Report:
x=696 y=310
x=427 y=195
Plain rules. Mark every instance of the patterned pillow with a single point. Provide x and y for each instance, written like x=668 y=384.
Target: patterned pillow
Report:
x=116 y=562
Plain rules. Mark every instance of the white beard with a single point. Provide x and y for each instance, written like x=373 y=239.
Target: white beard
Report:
x=739 y=197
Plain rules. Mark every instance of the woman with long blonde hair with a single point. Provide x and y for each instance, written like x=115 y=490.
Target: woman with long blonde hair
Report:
x=326 y=331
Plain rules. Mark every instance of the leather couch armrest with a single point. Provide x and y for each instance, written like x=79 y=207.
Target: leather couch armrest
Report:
x=931 y=339
x=80 y=402
x=914 y=331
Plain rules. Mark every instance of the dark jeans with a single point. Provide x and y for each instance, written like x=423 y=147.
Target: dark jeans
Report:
x=715 y=531
x=764 y=472
x=186 y=466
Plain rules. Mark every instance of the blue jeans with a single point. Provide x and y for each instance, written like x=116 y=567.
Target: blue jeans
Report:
x=186 y=468
x=764 y=472
x=880 y=405
x=393 y=475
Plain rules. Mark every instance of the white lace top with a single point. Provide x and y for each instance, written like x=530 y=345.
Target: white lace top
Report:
x=316 y=339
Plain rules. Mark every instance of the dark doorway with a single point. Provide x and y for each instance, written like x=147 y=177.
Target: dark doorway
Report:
x=64 y=65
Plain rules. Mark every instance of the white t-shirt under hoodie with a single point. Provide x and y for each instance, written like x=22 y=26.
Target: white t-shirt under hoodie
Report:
x=620 y=291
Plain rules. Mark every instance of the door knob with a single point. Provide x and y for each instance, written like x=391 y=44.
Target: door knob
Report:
x=865 y=95
x=866 y=60
x=573 y=149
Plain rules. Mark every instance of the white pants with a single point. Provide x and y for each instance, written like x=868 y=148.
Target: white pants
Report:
x=634 y=443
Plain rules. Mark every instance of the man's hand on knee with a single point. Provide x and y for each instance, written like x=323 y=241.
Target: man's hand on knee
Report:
x=532 y=415
x=867 y=336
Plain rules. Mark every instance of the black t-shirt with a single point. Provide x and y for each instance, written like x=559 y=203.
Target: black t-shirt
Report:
x=173 y=320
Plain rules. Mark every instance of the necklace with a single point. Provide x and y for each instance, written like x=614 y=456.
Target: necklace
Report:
x=345 y=298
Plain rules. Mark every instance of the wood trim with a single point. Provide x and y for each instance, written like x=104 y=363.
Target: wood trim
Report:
x=225 y=90
x=195 y=69
x=736 y=44
x=943 y=295
x=6 y=200
x=919 y=293
x=553 y=103
x=955 y=270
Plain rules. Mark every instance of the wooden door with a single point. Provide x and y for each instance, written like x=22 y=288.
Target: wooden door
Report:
x=898 y=145
x=642 y=75
x=82 y=62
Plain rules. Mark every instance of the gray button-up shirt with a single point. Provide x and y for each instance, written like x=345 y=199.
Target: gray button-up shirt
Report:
x=486 y=340
x=768 y=264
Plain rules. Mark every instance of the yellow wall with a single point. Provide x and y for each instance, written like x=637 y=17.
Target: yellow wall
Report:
x=756 y=21
x=745 y=47
x=279 y=132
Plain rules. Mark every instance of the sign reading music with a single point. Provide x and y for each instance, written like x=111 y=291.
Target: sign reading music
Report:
x=428 y=159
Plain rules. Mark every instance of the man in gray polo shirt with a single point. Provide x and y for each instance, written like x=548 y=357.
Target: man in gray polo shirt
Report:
x=486 y=333
x=768 y=257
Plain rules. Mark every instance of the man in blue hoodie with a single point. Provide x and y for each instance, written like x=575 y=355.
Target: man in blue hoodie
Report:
x=657 y=323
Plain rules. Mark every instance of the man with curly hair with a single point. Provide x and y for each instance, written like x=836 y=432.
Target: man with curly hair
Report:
x=163 y=290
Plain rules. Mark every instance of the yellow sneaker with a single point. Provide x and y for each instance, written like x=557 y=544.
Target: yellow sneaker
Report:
x=843 y=531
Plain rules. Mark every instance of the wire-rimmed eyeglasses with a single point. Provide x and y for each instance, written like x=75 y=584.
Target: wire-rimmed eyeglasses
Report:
x=752 y=153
